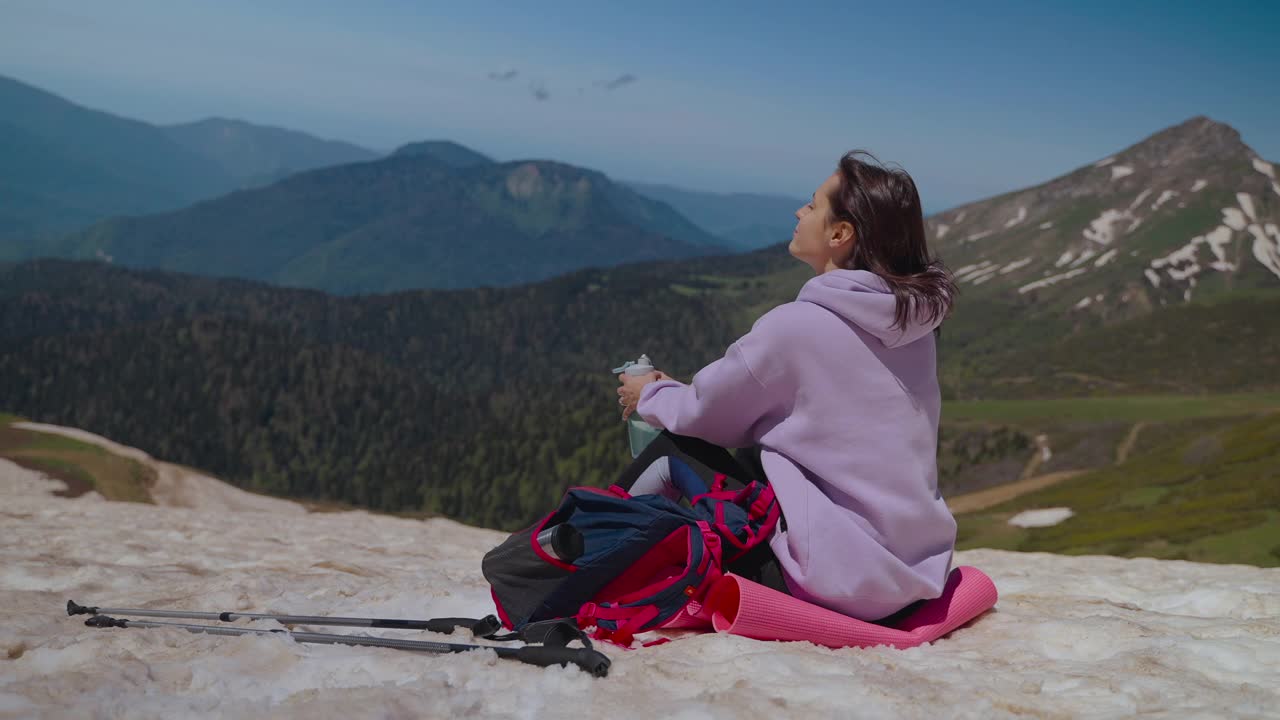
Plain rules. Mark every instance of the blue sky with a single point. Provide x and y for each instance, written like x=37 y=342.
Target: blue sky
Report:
x=972 y=98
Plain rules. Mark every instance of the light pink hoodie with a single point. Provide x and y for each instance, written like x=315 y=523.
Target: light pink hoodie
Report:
x=846 y=410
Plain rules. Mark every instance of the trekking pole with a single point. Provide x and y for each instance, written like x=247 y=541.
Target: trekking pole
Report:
x=589 y=660
x=485 y=626
x=558 y=632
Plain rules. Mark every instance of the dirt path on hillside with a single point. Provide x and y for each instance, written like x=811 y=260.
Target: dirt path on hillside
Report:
x=1126 y=447
x=1039 y=456
x=982 y=499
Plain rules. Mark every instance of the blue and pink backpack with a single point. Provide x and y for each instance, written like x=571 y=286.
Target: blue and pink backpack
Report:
x=641 y=559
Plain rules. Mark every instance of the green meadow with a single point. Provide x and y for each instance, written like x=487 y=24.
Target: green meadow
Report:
x=1194 y=491
x=83 y=467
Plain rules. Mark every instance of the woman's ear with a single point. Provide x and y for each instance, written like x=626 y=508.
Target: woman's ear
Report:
x=841 y=233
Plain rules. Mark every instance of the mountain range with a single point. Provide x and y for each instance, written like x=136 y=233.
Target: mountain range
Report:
x=67 y=166
x=1153 y=270
x=746 y=221
x=257 y=155
x=402 y=222
x=142 y=186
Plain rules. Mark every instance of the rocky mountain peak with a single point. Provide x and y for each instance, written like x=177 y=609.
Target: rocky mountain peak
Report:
x=1197 y=140
x=1187 y=211
x=446 y=151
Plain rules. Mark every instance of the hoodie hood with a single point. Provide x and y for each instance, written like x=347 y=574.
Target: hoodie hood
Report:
x=864 y=299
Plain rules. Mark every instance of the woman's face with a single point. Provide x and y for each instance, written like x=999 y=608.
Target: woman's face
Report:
x=811 y=242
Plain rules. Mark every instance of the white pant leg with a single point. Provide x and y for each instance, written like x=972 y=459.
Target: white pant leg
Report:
x=656 y=480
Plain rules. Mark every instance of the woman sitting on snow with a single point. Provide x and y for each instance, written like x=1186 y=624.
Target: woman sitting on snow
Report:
x=836 y=398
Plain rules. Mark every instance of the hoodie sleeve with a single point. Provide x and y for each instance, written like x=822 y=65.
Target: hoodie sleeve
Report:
x=724 y=404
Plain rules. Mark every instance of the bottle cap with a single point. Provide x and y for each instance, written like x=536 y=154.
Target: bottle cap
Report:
x=643 y=366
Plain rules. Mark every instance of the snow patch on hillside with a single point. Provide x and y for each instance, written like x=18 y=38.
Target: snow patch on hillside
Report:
x=983 y=276
x=1183 y=264
x=1233 y=218
x=1142 y=196
x=1217 y=239
x=1198 y=185
x=1165 y=197
x=1266 y=247
x=1101 y=229
x=969 y=272
x=1084 y=257
x=1016 y=264
x=1022 y=215
x=1083 y=303
x=1046 y=517
x=1246 y=204
x=1119 y=171
x=1052 y=280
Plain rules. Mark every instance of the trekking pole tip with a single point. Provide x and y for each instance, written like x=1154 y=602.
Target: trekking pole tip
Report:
x=73 y=608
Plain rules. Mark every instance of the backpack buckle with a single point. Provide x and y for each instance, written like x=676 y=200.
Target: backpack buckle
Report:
x=586 y=614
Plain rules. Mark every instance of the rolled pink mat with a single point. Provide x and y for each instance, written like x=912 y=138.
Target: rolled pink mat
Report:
x=741 y=607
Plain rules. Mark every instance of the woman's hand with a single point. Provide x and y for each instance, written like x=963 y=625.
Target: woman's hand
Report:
x=629 y=391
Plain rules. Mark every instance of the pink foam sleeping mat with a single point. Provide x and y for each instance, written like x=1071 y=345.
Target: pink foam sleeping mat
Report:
x=739 y=606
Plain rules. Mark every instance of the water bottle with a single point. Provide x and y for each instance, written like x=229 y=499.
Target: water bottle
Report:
x=563 y=542
x=639 y=432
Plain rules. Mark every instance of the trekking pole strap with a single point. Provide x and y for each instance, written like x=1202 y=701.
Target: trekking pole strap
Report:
x=592 y=661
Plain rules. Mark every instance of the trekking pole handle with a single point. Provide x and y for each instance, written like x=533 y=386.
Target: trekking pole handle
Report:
x=75 y=608
x=591 y=661
x=487 y=625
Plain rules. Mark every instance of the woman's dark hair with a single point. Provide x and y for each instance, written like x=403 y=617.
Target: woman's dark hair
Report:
x=883 y=207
